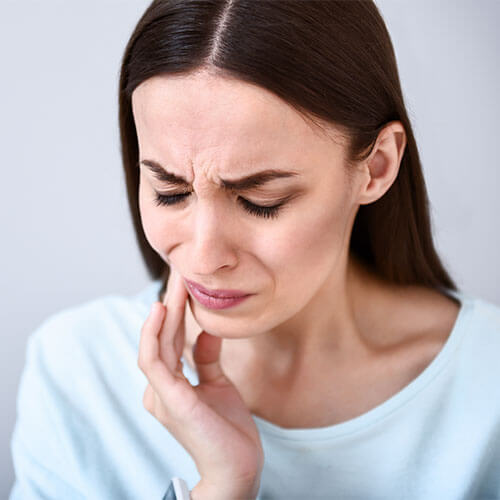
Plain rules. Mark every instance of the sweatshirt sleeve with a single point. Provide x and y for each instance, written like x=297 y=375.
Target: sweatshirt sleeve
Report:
x=44 y=465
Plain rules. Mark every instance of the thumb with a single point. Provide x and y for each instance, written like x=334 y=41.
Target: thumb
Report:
x=206 y=356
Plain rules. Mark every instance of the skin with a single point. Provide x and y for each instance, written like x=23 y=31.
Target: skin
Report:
x=317 y=315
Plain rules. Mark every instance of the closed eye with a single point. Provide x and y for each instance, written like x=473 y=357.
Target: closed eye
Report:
x=252 y=208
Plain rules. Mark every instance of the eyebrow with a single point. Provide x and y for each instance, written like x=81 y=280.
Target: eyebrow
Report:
x=248 y=182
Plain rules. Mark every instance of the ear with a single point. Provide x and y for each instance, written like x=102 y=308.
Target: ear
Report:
x=382 y=166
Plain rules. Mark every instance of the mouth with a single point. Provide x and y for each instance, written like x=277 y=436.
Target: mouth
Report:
x=219 y=293
x=221 y=301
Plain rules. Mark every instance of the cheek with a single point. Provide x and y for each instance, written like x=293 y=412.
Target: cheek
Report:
x=162 y=229
x=301 y=254
x=152 y=220
x=303 y=242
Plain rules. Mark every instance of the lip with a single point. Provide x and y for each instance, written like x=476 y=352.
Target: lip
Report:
x=219 y=294
x=216 y=302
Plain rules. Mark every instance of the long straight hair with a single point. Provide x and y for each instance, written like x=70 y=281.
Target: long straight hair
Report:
x=334 y=62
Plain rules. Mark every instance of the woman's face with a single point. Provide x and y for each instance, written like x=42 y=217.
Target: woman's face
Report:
x=206 y=129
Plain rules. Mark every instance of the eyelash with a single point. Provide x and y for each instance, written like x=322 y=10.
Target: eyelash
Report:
x=257 y=210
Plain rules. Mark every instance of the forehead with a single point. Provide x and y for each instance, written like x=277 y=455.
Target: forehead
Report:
x=210 y=117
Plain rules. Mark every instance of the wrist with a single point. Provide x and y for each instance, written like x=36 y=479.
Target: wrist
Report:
x=206 y=490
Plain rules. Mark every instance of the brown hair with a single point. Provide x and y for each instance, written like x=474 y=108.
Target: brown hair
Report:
x=334 y=62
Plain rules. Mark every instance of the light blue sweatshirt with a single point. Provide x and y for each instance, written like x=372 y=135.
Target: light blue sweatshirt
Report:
x=82 y=430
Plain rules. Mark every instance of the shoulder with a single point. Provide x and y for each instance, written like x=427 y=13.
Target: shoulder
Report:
x=81 y=356
x=453 y=317
x=80 y=375
x=486 y=315
x=473 y=356
x=110 y=318
x=98 y=338
x=480 y=320
x=462 y=335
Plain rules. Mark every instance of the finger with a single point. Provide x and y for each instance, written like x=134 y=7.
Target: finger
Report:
x=149 y=360
x=174 y=280
x=148 y=398
x=169 y=394
x=206 y=356
x=172 y=337
x=176 y=293
x=147 y=349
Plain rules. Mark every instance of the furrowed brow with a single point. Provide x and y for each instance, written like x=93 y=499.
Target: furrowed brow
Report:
x=248 y=182
x=163 y=175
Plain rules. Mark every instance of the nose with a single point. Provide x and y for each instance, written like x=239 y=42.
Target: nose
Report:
x=213 y=239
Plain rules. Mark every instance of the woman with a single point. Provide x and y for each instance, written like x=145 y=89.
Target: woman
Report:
x=278 y=199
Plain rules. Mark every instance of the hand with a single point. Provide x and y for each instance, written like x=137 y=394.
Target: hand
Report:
x=210 y=420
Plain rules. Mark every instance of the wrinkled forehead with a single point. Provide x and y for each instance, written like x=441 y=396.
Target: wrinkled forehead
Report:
x=188 y=116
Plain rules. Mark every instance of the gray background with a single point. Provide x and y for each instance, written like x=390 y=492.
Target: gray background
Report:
x=67 y=234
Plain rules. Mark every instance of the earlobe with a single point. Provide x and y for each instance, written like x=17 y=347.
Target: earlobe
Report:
x=384 y=162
